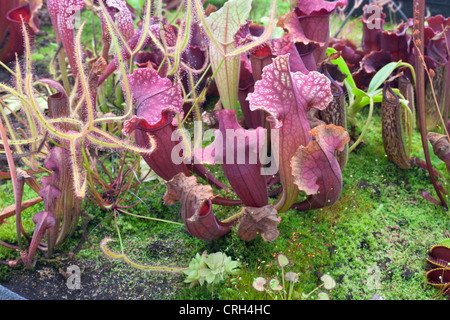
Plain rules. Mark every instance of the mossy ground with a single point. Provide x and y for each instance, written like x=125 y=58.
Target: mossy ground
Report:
x=374 y=240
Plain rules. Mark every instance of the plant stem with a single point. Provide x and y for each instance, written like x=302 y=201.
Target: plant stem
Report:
x=366 y=126
x=14 y=181
x=418 y=40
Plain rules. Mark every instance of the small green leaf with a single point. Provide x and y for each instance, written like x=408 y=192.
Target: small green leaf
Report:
x=323 y=296
x=446 y=242
x=382 y=75
x=136 y=4
x=282 y=260
x=275 y=285
x=359 y=94
x=291 y=276
x=328 y=282
x=259 y=283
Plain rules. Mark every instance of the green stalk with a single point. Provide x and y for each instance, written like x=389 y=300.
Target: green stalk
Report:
x=114 y=255
x=37 y=111
x=123 y=71
x=17 y=197
x=418 y=40
x=185 y=37
x=366 y=126
x=82 y=76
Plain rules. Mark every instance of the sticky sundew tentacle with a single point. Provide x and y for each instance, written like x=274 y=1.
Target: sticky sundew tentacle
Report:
x=79 y=179
x=40 y=116
x=105 y=140
x=34 y=128
x=19 y=84
x=90 y=105
x=182 y=38
x=120 y=255
x=122 y=68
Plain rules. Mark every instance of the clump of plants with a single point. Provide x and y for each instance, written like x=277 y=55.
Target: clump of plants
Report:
x=210 y=268
x=287 y=288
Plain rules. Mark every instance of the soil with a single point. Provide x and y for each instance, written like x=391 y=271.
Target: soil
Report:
x=49 y=281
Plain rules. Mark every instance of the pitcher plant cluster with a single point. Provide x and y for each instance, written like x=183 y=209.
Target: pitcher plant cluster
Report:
x=280 y=130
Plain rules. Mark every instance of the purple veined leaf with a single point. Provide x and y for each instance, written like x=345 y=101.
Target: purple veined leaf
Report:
x=314 y=23
x=13 y=39
x=44 y=221
x=287 y=97
x=170 y=37
x=286 y=46
x=50 y=196
x=196 y=207
x=316 y=170
x=160 y=160
x=171 y=4
x=153 y=95
x=251 y=70
x=119 y=11
x=156 y=100
x=259 y=221
x=35 y=6
x=97 y=69
x=306 y=46
x=238 y=151
x=318 y=7
x=393 y=128
x=170 y=34
x=55 y=85
x=63 y=16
